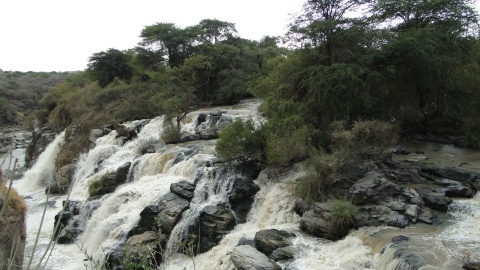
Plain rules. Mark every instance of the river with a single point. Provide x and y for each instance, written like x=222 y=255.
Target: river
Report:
x=111 y=217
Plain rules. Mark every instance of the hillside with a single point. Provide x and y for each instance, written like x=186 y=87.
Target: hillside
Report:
x=21 y=91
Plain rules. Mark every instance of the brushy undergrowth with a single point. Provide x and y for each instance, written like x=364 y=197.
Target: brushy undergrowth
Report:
x=365 y=140
x=171 y=132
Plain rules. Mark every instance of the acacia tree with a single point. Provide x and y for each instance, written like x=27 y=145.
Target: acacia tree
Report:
x=173 y=42
x=105 y=66
x=320 y=21
x=431 y=41
x=213 y=30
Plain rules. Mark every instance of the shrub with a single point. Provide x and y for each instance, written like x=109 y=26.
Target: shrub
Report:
x=317 y=183
x=96 y=185
x=343 y=210
x=171 y=132
x=287 y=146
x=365 y=138
x=240 y=142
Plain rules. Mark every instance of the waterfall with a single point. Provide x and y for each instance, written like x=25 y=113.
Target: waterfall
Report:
x=107 y=221
x=43 y=171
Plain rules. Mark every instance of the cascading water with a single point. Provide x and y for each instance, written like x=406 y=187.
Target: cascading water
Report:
x=106 y=222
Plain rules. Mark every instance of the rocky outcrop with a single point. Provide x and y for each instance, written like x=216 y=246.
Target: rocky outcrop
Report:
x=241 y=197
x=108 y=183
x=73 y=220
x=183 y=189
x=267 y=241
x=63 y=178
x=320 y=221
x=208 y=126
x=248 y=258
x=40 y=140
x=215 y=221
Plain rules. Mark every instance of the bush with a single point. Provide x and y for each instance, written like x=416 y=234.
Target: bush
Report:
x=171 y=132
x=287 y=146
x=240 y=142
x=317 y=183
x=365 y=138
x=343 y=210
x=96 y=185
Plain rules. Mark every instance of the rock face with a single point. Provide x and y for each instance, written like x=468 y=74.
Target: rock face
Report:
x=40 y=141
x=241 y=197
x=248 y=258
x=63 y=178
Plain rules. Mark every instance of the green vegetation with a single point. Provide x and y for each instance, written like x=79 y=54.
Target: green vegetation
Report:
x=351 y=83
x=341 y=91
x=343 y=210
x=21 y=91
x=96 y=185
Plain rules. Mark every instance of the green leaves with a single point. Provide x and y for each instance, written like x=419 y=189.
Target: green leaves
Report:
x=105 y=66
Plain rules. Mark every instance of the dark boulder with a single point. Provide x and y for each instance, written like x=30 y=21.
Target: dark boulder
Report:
x=215 y=221
x=284 y=253
x=454 y=188
x=434 y=198
x=183 y=189
x=110 y=182
x=268 y=241
x=248 y=258
x=320 y=221
x=241 y=196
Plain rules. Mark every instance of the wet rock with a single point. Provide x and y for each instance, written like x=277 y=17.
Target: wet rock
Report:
x=215 y=222
x=320 y=221
x=453 y=173
x=113 y=180
x=183 y=189
x=188 y=137
x=127 y=133
x=170 y=209
x=269 y=240
x=409 y=261
x=248 y=258
x=241 y=196
x=284 y=253
x=412 y=211
x=376 y=215
x=61 y=221
x=434 y=199
x=94 y=135
x=246 y=241
x=455 y=188
x=425 y=215
x=400 y=150
x=374 y=188
x=299 y=207
x=399 y=238
x=63 y=178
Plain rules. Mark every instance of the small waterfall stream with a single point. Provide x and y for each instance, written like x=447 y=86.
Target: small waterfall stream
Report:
x=109 y=219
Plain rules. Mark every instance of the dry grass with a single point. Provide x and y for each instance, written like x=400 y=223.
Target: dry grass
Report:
x=15 y=208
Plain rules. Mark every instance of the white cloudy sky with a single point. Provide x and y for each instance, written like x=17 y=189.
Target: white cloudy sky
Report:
x=60 y=35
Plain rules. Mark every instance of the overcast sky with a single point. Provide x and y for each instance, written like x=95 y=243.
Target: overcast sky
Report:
x=60 y=35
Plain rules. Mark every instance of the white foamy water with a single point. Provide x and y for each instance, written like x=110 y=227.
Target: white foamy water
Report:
x=150 y=177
